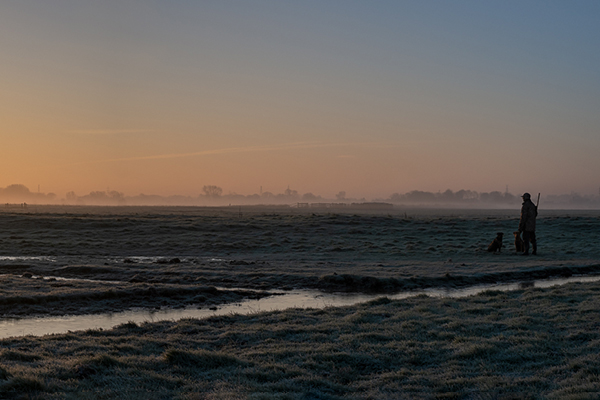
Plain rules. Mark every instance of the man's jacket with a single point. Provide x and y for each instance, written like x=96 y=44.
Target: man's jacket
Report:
x=528 y=214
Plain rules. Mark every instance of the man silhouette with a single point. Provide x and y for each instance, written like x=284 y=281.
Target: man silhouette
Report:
x=527 y=224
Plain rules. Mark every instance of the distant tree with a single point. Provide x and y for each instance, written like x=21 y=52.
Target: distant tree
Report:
x=447 y=196
x=309 y=196
x=234 y=196
x=17 y=189
x=71 y=196
x=492 y=197
x=101 y=197
x=16 y=193
x=510 y=198
x=466 y=195
x=396 y=197
x=97 y=195
x=417 y=196
x=290 y=193
x=341 y=195
x=113 y=194
x=212 y=191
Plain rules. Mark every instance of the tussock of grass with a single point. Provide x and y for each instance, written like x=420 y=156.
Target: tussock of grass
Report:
x=202 y=359
x=103 y=361
x=15 y=355
x=19 y=385
x=4 y=375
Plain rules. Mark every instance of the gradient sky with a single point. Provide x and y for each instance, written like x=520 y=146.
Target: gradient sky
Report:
x=368 y=97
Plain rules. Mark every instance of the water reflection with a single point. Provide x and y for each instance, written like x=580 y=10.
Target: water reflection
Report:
x=295 y=299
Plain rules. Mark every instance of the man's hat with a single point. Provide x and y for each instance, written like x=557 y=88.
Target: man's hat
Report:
x=526 y=196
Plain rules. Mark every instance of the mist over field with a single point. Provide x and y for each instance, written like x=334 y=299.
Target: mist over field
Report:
x=16 y=195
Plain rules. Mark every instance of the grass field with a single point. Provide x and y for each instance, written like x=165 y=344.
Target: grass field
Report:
x=527 y=344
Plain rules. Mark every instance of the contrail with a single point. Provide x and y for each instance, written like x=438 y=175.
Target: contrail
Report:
x=230 y=150
x=107 y=131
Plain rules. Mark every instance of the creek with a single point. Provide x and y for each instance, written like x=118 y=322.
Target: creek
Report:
x=38 y=326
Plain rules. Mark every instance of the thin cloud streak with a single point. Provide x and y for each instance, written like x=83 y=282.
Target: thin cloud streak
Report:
x=107 y=131
x=250 y=149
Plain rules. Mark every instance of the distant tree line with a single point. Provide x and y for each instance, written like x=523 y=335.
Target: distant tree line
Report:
x=212 y=195
x=450 y=197
x=109 y=197
x=495 y=198
x=18 y=193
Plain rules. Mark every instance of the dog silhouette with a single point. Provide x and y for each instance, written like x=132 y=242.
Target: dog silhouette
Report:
x=519 y=244
x=496 y=244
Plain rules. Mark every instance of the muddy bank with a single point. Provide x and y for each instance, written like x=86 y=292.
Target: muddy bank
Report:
x=28 y=295
x=28 y=290
x=256 y=274
x=369 y=284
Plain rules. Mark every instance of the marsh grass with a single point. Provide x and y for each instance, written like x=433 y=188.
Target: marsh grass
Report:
x=530 y=344
x=36 y=296
x=87 y=289
x=287 y=249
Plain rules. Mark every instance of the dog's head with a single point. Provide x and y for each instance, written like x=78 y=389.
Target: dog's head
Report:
x=517 y=233
x=499 y=235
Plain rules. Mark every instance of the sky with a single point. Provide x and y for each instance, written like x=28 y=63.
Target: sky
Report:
x=367 y=97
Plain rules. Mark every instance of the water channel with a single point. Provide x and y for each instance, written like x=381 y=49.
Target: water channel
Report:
x=39 y=326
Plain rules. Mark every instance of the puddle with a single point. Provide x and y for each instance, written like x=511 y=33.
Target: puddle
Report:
x=295 y=299
x=32 y=258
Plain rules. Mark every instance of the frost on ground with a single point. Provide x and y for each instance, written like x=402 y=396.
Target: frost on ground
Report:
x=533 y=343
x=118 y=258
